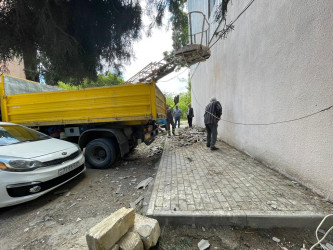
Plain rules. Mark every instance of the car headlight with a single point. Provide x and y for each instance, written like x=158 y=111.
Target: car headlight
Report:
x=19 y=165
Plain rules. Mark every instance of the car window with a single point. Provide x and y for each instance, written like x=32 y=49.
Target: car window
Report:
x=11 y=134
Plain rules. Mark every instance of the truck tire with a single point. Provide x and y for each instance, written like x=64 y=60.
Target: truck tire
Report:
x=100 y=153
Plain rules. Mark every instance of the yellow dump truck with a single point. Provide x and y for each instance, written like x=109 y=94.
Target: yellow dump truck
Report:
x=107 y=121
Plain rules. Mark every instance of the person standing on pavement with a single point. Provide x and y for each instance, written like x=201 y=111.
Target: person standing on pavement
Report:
x=177 y=113
x=169 y=120
x=212 y=116
x=190 y=115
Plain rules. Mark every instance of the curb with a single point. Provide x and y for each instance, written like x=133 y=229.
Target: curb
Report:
x=241 y=219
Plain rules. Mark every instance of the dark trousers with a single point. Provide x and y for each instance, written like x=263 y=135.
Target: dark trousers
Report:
x=211 y=134
x=189 y=120
x=177 y=119
x=167 y=125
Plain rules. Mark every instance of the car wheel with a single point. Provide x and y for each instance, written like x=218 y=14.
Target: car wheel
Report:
x=100 y=153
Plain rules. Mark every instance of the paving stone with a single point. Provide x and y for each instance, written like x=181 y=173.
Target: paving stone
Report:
x=225 y=180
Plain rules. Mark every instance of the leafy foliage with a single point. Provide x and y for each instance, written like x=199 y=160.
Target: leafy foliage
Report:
x=68 y=39
x=221 y=11
x=184 y=100
x=179 y=19
x=108 y=79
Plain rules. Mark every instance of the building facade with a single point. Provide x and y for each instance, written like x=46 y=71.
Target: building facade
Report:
x=275 y=67
x=16 y=68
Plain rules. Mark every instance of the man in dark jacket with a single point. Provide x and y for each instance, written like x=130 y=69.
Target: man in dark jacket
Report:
x=169 y=120
x=212 y=116
x=190 y=115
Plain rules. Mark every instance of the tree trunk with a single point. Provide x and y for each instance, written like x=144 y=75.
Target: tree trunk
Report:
x=30 y=63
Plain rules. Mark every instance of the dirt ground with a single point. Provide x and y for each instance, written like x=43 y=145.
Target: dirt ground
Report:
x=61 y=218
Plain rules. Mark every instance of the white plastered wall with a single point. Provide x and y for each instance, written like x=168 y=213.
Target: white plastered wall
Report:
x=276 y=65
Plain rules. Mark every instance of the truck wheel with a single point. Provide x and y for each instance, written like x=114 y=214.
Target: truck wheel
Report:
x=100 y=153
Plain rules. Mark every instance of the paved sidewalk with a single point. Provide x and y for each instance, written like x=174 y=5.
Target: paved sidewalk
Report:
x=195 y=185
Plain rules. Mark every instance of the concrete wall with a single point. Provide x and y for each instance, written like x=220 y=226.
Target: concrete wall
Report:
x=276 y=65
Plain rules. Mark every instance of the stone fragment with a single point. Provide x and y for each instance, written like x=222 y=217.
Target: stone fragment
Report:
x=106 y=233
x=130 y=241
x=276 y=239
x=124 y=177
x=118 y=190
x=75 y=231
x=203 y=244
x=274 y=206
x=143 y=184
x=72 y=205
x=138 y=200
x=148 y=229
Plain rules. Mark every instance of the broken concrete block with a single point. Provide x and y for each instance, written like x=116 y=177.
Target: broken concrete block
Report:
x=130 y=241
x=137 y=201
x=106 y=233
x=148 y=229
x=143 y=184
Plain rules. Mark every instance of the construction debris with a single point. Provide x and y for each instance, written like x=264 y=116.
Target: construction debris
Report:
x=137 y=201
x=130 y=241
x=277 y=240
x=203 y=244
x=124 y=230
x=155 y=151
x=148 y=229
x=143 y=184
x=109 y=231
x=188 y=137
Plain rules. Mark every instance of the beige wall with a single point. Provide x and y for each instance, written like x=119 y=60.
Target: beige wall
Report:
x=16 y=68
x=276 y=65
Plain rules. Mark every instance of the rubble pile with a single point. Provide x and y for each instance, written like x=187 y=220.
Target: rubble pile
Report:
x=187 y=137
x=124 y=229
x=156 y=150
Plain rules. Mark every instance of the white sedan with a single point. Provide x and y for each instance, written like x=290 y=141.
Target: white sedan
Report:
x=32 y=163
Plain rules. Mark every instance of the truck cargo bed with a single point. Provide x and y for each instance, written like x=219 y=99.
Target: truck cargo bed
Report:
x=131 y=103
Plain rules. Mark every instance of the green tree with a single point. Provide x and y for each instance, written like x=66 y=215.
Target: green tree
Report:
x=184 y=100
x=178 y=19
x=68 y=40
x=108 y=79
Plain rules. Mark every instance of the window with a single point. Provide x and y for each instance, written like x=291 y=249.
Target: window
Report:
x=211 y=4
x=12 y=134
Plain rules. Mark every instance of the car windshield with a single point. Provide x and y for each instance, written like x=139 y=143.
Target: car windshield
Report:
x=12 y=134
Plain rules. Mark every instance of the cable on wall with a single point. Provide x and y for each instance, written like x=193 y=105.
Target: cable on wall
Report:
x=174 y=76
x=265 y=124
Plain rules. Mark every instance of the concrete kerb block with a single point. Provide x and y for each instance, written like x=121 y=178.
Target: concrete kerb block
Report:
x=201 y=218
x=131 y=241
x=148 y=229
x=283 y=219
x=105 y=234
